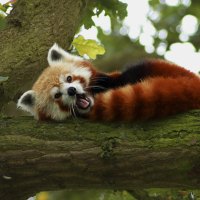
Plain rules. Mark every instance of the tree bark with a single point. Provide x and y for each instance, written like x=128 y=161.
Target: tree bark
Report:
x=38 y=156
x=32 y=28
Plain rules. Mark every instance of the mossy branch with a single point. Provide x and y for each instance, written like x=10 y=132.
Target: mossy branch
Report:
x=37 y=156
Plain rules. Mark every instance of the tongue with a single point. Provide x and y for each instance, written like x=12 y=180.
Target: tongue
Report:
x=83 y=103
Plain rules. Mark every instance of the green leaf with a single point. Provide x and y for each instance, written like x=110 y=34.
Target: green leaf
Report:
x=2 y=8
x=113 y=8
x=89 y=47
x=3 y=79
x=87 y=21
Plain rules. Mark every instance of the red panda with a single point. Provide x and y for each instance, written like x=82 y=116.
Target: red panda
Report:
x=72 y=86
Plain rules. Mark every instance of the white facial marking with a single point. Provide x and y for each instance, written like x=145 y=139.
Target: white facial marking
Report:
x=53 y=91
x=76 y=84
x=83 y=72
x=62 y=78
x=51 y=108
x=56 y=113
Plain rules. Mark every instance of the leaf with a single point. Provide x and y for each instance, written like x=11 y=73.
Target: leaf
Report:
x=89 y=47
x=2 y=8
x=3 y=79
x=87 y=21
x=113 y=8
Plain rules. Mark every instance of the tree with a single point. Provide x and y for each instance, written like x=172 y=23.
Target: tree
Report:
x=32 y=28
x=79 y=154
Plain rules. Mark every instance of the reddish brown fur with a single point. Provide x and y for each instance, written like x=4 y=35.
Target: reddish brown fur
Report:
x=43 y=116
x=167 y=89
x=167 y=69
x=115 y=74
x=89 y=65
x=152 y=98
x=80 y=79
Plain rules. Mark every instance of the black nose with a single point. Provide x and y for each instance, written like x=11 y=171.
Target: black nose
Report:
x=71 y=91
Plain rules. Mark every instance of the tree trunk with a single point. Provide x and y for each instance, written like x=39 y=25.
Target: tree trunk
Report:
x=38 y=156
x=32 y=28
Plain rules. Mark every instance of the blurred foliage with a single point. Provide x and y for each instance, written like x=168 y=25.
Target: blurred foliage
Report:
x=86 y=195
x=43 y=196
x=4 y=9
x=170 y=18
x=173 y=194
x=89 y=47
x=2 y=17
x=115 y=9
x=118 y=54
x=150 y=194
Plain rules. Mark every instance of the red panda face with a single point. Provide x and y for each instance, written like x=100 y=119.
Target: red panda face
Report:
x=61 y=90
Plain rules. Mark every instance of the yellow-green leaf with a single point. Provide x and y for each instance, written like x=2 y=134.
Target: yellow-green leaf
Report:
x=88 y=47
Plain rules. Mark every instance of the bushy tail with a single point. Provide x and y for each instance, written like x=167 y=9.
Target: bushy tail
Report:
x=151 y=98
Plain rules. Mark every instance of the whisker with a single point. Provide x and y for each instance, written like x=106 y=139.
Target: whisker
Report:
x=74 y=111
x=74 y=117
x=70 y=109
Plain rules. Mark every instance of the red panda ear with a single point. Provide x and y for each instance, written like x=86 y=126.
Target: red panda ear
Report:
x=58 y=56
x=27 y=101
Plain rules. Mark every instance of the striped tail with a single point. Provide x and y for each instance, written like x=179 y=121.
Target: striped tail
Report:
x=151 y=98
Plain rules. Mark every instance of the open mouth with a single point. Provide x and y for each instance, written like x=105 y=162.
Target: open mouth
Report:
x=82 y=101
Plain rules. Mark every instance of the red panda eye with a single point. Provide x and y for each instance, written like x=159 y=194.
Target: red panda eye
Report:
x=57 y=95
x=69 y=79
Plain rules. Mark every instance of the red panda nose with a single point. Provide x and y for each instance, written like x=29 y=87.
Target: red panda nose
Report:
x=71 y=91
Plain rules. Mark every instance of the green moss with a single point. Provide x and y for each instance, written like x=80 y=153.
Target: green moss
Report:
x=166 y=133
x=147 y=154
x=108 y=148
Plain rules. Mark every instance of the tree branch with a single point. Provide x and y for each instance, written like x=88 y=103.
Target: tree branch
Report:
x=38 y=156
